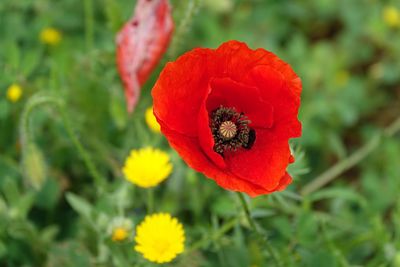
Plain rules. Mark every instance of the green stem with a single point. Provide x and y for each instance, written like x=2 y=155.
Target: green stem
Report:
x=183 y=26
x=217 y=235
x=393 y=128
x=255 y=228
x=81 y=150
x=26 y=138
x=352 y=160
x=89 y=23
x=246 y=209
x=150 y=200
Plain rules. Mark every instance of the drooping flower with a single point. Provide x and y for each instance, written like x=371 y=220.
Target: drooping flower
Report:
x=50 y=36
x=391 y=16
x=151 y=120
x=160 y=238
x=14 y=92
x=141 y=43
x=147 y=167
x=120 y=229
x=230 y=113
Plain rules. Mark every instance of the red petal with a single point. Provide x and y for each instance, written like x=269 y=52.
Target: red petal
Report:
x=284 y=182
x=206 y=139
x=181 y=88
x=243 y=98
x=141 y=43
x=229 y=93
x=264 y=164
x=272 y=87
x=190 y=151
x=236 y=59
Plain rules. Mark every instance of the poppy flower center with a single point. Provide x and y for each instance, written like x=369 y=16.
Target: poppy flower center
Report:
x=230 y=130
x=227 y=130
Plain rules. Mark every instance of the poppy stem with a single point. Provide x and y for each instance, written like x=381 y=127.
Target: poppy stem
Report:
x=183 y=27
x=352 y=160
x=247 y=212
x=256 y=229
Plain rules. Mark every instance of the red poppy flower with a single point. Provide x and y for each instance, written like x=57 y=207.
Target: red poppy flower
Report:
x=141 y=43
x=230 y=113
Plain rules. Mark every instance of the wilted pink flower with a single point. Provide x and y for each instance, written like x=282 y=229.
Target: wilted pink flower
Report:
x=141 y=43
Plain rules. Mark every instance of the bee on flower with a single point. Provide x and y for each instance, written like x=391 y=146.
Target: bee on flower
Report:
x=50 y=36
x=147 y=167
x=120 y=229
x=14 y=93
x=160 y=238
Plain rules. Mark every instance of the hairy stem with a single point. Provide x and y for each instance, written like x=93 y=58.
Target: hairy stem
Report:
x=255 y=228
x=190 y=10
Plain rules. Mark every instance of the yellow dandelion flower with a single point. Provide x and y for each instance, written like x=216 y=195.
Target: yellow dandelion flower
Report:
x=147 y=167
x=50 y=36
x=151 y=120
x=391 y=16
x=119 y=229
x=14 y=92
x=160 y=238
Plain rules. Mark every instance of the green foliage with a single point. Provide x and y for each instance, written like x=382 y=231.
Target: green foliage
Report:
x=63 y=143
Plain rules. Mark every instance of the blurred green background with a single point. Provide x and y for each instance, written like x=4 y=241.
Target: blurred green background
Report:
x=52 y=211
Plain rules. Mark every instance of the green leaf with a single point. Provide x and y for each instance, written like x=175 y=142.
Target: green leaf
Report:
x=80 y=205
x=3 y=249
x=30 y=61
x=338 y=193
x=25 y=204
x=49 y=194
x=10 y=190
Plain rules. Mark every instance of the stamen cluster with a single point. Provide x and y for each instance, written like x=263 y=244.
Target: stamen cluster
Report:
x=230 y=130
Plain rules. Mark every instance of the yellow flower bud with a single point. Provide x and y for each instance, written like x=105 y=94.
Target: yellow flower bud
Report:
x=14 y=93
